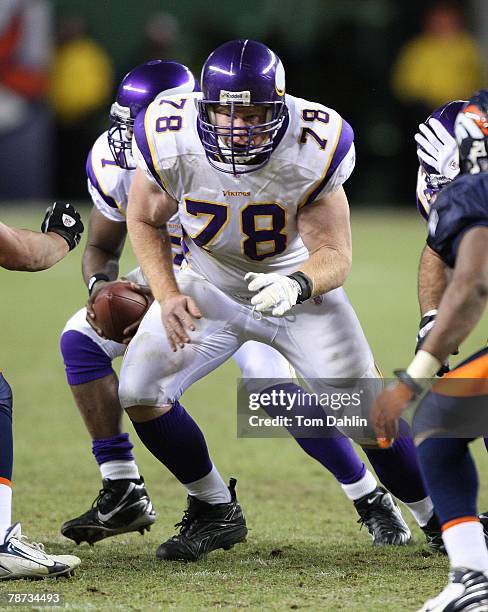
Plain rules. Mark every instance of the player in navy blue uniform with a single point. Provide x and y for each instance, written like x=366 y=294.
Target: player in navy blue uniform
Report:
x=458 y=233
x=29 y=251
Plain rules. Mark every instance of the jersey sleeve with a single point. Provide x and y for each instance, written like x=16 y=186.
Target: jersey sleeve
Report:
x=104 y=203
x=144 y=151
x=343 y=171
x=459 y=207
x=340 y=164
x=141 y=163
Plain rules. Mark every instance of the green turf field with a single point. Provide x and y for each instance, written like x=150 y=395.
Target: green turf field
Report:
x=304 y=548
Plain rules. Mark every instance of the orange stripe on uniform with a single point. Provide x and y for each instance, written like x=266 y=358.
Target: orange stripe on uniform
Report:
x=478 y=368
x=475 y=375
x=458 y=521
x=6 y=481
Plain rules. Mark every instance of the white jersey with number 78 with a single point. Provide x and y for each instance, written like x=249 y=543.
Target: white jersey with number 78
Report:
x=246 y=223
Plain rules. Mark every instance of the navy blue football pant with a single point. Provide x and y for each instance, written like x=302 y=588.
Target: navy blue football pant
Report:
x=453 y=415
x=6 y=440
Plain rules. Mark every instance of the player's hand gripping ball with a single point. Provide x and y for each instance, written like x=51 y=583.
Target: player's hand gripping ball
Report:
x=116 y=309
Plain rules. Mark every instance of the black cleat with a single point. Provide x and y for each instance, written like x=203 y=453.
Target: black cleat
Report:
x=433 y=535
x=205 y=527
x=383 y=518
x=121 y=506
x=467 y=590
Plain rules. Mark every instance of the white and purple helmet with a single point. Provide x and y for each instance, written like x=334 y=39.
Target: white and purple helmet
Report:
x=241 y=73
x=137 y=90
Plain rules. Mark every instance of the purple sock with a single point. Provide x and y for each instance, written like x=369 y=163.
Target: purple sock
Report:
x=335 y=452
x=337 y=455
x=117 y=448
x=178 y=443
x=84 y=360
x=398 y=467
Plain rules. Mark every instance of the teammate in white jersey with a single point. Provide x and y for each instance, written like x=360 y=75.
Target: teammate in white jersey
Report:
x=123 y=504
x=88 y=355
x=257 y=184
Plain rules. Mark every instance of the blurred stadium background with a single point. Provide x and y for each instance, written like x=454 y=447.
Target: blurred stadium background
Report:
x=384 y=64
x=60 y=62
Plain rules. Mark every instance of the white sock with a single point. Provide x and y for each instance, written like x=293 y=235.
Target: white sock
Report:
x=422 y=510
x=5 y=509
x=362 y=487
x=118 y=470
x=211 y=488
x=465 y=545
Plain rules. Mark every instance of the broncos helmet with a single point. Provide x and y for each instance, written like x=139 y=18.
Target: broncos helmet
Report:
x=241 y=73
x=471 y=131
x=137 y=90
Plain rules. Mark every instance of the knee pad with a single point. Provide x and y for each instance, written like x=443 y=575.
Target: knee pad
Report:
x=151 y=375
x=6 y=399
x=84 y=360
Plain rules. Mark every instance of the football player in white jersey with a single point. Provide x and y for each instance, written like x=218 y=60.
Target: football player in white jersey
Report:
x=123 y=504
x=257 y=184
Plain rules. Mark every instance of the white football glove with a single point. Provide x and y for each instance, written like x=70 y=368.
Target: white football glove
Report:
x=438 y=148
x=276 y=294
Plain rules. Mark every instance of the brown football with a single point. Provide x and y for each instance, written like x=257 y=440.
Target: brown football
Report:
x=117 y=306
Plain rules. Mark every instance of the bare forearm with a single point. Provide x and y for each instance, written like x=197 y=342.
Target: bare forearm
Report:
x=326 y=232
x=98 y=261
x=147 y=214
x=152 y=247
x=327 y=268
x=104 y=246
x=460 y=310
x=29 y=251
x=432 y=280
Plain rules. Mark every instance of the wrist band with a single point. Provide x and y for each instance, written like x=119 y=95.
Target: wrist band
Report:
x=406 y=379
x=94 y=279
x=424 y=365
x=304 y=286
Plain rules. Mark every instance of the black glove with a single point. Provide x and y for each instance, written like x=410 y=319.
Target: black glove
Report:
x=65 y=220
x=426 y=324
